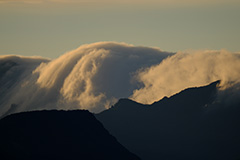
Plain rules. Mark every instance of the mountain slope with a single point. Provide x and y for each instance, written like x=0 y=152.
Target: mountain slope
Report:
x=189 y=125
x=62 y=135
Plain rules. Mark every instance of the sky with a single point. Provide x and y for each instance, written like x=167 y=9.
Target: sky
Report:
x=49 y=28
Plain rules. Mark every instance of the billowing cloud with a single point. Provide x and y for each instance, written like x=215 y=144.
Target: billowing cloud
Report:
x=91 y=77
x=94 y=76
x=185 y=70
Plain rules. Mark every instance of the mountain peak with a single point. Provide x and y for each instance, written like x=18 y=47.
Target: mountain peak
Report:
x=196 y=96
x=127 y=101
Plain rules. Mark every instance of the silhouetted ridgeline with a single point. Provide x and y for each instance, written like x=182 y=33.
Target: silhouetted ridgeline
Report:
x=190 y=125
x=60 y=135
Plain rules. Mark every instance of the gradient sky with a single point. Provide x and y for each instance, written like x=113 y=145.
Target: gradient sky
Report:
x=49 y=28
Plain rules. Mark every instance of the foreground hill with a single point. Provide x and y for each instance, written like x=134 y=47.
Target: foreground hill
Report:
x=61 y=135
x=189 y=125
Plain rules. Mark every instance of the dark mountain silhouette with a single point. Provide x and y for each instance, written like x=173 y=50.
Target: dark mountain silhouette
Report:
x=189 y=125
x=60 y=135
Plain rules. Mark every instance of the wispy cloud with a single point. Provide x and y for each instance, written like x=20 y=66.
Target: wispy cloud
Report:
x=185 y=70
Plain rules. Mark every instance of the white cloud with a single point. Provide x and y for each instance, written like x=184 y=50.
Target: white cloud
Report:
x=91 y=77
x=185 y=70
x=95 y=76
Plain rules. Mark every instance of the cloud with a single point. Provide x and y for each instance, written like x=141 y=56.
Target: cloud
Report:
x=94 y=76
x=90 y=77
x=15 y=72
x=185 y=70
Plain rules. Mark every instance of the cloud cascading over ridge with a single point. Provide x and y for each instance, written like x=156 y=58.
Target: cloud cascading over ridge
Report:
x=184 y=70
x=91 y=77
x=94 y=76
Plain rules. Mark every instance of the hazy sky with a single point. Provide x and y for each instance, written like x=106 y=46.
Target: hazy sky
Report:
x=51 y=27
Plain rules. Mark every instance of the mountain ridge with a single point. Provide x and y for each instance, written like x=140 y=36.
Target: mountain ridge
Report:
x=121 y=104
x=188 y=125
x=58 y=135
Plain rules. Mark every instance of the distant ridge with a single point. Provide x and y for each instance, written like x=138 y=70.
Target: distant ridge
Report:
x=197 y=94
x=188 y=125
x=60 y=135
x=203 y=94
